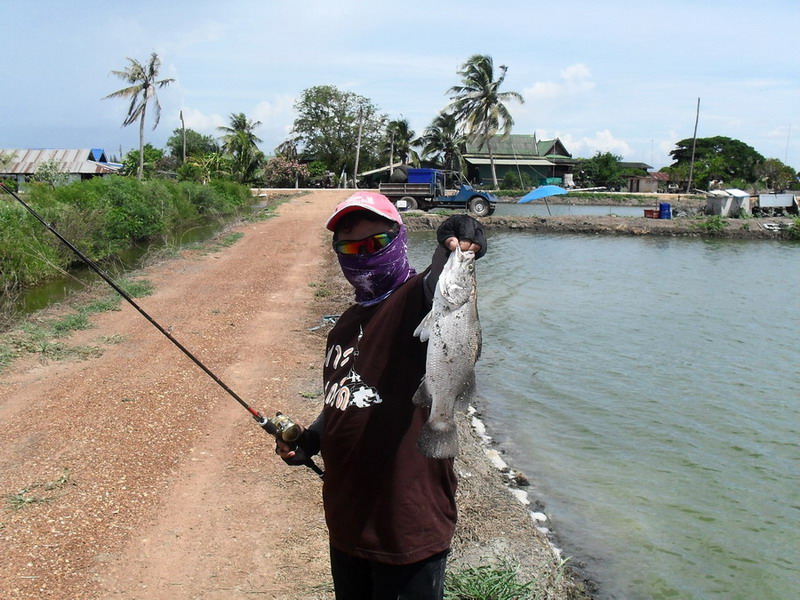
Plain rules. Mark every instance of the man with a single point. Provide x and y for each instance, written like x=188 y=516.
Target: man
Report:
x=390 y=511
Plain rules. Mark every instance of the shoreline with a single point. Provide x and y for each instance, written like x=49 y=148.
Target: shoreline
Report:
x=772 y=228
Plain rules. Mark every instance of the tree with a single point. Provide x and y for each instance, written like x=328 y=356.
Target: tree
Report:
x=602 y=170
x=399 y=141
x=144 y=81
x=718 y=157
x=142 y=161
x=50 y=173
x=282 y=172
x=442 y=141
x=776 y=175
x=240 y=142
x=327 y=127
x=197 y=144
x=478 y=103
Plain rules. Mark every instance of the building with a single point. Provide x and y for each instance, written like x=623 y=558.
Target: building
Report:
x=648 y=183
x=544 y=161
x=21 y=165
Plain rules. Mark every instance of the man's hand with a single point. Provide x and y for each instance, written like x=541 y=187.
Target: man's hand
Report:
x=462 y=231
x=300 y=452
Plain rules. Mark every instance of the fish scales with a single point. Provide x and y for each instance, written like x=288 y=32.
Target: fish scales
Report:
x=452 y=330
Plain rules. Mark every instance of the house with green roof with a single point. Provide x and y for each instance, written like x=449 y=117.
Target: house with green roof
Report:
x=544 y=161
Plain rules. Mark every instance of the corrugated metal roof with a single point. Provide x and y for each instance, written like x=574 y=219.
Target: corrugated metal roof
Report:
x=520 y=146
x=77 y=161
x=539 y=162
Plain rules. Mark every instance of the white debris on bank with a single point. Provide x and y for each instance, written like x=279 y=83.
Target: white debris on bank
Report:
x=514 y=477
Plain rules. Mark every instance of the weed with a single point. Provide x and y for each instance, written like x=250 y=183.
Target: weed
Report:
x=794 y=230
x=321 y=290
x=224 y=242
x=310 y=395
x=72 y=322
x=27 y=496
x=6 y=356
x=261 y=214
x=137 y=288
x=486 y=583
x=713 y=224
x=104 y=305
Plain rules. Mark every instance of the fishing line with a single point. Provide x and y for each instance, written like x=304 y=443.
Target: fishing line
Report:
x=279 y=426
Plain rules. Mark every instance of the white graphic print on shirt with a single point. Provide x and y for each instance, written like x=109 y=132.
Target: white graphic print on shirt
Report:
x=350 y=390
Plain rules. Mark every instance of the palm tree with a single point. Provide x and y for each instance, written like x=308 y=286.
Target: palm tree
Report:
x=442 y=139
x=144 y=81
x=399 y=140
x=478 y=103
x=240 y=142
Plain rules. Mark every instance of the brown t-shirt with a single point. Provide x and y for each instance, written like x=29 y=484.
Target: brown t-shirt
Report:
x=383 y=500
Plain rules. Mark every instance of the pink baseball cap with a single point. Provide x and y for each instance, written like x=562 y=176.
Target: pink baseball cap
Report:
x=377 y=203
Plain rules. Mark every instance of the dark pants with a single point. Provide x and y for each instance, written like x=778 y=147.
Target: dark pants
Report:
x=359 y=579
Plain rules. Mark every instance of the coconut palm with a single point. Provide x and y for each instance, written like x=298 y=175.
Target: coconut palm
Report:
x=478 y=103
x=399 y=141
x=442 y=140
x=144 y=81
x=240 y=142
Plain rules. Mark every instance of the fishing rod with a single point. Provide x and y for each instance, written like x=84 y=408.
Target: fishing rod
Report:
x=280 y=426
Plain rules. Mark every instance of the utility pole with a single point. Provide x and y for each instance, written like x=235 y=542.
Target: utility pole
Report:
x=183 y=129
x=391 y=156
x=358 y=145
x=694 y=144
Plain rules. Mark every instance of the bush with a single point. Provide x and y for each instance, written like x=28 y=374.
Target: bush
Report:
x=281 y=172
x=513 y=181
x=100 y=217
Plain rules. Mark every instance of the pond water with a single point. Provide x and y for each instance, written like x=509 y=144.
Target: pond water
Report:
x=649 y=389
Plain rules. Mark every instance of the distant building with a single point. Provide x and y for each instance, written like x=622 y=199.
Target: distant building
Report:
x=648 y=183
x=78 y=165
x=545 y=161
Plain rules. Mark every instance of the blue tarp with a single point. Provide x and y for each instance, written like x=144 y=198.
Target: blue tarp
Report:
x=540 y=192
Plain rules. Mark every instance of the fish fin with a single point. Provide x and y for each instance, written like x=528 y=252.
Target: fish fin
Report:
x=423 y=330
x=422 y=397
x=439 y=442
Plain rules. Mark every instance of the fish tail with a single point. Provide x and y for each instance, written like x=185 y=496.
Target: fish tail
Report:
x=438 y=442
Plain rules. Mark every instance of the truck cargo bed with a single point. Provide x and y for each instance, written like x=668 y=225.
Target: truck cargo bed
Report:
x=393 y=190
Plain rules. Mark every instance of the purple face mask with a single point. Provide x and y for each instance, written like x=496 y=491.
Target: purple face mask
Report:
x=374 y=276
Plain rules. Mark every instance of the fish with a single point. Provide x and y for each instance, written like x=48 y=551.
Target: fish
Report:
x=453 y=332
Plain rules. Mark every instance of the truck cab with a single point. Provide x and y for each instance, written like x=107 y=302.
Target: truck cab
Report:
x=435 y=188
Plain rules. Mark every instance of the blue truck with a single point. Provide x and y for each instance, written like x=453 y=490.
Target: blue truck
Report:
x=435 y=188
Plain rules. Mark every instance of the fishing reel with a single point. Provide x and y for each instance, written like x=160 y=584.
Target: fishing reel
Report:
x=289 y=432
x=282 y=427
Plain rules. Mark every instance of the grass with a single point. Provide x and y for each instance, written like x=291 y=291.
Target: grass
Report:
x=502 y=582
x=713 y=224
x=32 y=494
x=43 y=336
x=224 y=241
x=320 y=290
x=487 y=583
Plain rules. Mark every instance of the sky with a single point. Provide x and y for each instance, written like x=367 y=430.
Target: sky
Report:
x=616 y=76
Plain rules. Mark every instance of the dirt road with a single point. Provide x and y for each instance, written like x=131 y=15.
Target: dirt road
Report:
x=133 y=475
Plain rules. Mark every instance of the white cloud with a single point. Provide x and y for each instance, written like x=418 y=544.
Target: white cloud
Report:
x=574 y=80
x=203 y=123
x=586 y=147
